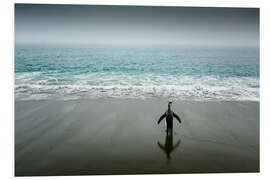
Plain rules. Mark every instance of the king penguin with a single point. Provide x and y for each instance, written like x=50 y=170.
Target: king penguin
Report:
x=169 y=114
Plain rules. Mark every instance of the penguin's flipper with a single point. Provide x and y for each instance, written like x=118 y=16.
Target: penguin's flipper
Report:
x=161 y=117
x=177 y=117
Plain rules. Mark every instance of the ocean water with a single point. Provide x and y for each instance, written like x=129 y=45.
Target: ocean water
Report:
x=170 y=72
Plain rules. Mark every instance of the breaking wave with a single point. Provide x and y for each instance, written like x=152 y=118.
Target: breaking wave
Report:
x=185 y=88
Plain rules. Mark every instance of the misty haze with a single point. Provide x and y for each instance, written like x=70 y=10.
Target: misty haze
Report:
x=76 y=24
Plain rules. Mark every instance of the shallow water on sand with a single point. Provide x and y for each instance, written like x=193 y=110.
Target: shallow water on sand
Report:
x=116 y=136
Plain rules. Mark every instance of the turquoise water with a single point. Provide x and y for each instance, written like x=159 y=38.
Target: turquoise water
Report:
x=185 y=73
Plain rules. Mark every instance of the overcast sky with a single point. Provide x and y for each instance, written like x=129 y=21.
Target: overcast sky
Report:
x=88 y=24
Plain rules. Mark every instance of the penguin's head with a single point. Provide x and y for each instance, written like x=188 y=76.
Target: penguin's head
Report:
x=169 y=104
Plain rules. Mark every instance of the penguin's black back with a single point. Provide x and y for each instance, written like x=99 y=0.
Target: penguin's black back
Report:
x=169 y=114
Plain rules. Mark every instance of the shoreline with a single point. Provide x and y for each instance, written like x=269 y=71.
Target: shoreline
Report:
x=163 y=99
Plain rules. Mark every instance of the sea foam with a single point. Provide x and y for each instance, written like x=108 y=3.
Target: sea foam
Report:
x=199 y=89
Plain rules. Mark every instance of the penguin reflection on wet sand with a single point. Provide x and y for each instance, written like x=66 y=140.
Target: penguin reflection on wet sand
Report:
x=169 y=114
x=168 y=147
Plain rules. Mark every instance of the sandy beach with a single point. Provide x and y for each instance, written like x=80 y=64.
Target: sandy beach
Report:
x=121 y=136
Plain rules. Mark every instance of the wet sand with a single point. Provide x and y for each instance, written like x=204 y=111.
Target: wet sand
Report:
x=121 y=136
